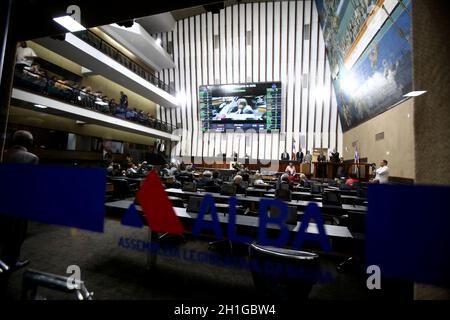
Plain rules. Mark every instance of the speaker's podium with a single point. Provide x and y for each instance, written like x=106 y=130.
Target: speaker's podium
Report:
x=305 y=168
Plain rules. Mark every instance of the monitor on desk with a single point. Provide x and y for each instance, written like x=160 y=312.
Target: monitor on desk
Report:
x=292 y=214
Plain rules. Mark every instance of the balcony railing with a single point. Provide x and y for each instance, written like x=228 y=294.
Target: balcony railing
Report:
x=39 y=82
x=98 y=43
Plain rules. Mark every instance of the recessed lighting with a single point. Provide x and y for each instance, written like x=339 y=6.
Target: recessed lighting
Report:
x=414 y=93
x=40 y=106
x=69 y=23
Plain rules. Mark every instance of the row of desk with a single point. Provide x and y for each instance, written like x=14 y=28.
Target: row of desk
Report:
x=301 y=204
x=245 y=226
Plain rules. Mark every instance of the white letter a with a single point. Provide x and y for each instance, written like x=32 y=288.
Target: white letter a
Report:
x=374 y=280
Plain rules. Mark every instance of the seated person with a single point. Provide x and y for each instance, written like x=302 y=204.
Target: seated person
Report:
x=143 y=168
x=237 y=183
x=284 y=180
x=304 y=182
x=205 y=180
x=164 y=171
x=173 y=183
x=290 y=169
x=216 y=179
x=294 y=178
x=350 y=181
x=184 y=175
x=132 y=170
x=245 y=175
x=259 y=181
x=116 y=170
x=173 y=169
x=237 y=166
x=33 y=71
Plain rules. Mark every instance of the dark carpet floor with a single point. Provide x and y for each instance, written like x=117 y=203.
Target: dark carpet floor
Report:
x=113 y=272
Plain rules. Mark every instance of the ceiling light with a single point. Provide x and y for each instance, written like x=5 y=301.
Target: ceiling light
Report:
x=69 y=23
x=414 y=93
x=40 y=106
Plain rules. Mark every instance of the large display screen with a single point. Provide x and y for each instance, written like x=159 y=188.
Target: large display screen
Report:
x=247 y=106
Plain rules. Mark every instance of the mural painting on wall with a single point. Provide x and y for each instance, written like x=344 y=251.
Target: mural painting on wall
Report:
x=382 y=74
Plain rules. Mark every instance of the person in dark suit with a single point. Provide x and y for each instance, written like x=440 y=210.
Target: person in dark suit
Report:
x=334 y=157
x=299 y=156
x=285 y=156
x=237 y=180
x=206 y=180
x=13 y=230
x=216 y=178
x=321 y=159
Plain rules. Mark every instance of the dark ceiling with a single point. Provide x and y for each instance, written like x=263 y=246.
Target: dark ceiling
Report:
x=32 y=19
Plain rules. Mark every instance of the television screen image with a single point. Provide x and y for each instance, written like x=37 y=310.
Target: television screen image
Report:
x=113 y=147
x=254 y=106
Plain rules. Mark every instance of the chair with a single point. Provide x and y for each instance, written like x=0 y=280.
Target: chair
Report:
x=32 y=279
x=121 y=189
x=176 y=202
x=212 y=189
x=362 y=193
x=244 y=184
x=228 y=190
x=282 y=282
x=316 y=189
x=284 y=186
x=283 y=194
x=292 y=214
x=189 y=187
x=194 y=204
x=331 y=198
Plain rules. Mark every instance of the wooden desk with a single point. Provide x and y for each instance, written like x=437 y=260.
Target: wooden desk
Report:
x=349 y=168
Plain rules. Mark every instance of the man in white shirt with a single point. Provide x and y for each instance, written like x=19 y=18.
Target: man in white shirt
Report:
x=25 y=55
x=382 y=173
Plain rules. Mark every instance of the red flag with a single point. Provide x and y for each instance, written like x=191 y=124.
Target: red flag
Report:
x=157 y=207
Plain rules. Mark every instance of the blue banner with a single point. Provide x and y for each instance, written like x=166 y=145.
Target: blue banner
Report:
x=68 y=196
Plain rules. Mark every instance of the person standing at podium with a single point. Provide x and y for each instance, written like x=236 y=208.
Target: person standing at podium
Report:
x=334 y=158
x=300 y=156
x=321 y=159
x=307 y=158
